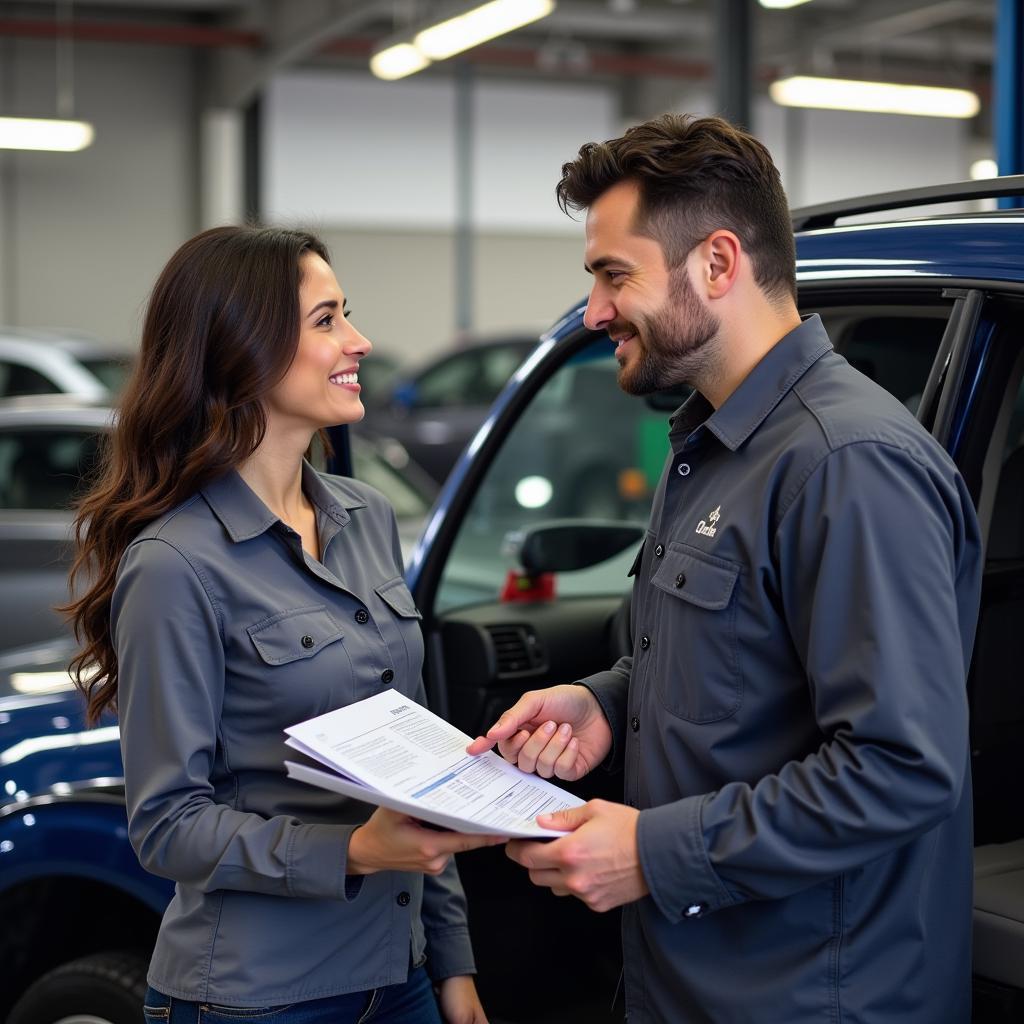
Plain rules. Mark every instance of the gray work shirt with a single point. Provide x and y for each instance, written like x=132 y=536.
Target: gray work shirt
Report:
x=226 y=633
x=793 y=720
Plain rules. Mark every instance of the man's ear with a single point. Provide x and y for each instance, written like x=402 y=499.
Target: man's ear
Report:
x=720 y=255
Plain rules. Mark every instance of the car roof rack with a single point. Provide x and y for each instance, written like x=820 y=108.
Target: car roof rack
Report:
x=825 y=215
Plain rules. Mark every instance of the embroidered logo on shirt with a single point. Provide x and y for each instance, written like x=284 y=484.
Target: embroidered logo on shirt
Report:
x=708 y=527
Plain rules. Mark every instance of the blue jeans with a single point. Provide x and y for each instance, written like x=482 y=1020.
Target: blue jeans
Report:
x=411 y=1003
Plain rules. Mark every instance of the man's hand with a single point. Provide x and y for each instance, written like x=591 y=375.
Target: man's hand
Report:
x=390 y=841
x=560 y=731
x=459 y=1001
x=598 y=863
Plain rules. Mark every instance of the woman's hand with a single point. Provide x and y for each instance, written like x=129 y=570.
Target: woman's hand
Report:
x=459 y=1002
x=390 y=841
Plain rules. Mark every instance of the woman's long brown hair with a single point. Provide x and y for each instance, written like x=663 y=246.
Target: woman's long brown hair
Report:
x=220 y=331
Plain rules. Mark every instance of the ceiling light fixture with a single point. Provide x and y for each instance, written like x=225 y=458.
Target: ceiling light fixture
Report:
x=45 y=133
x=397 y=61
x=874 y=97
x=476 y=26
x=455 y=34
x=781 y=5
x=61 y=134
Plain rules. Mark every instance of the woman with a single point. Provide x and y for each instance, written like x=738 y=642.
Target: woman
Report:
x=233 y=591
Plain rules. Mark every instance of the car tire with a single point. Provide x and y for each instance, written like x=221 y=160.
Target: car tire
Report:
x=103 y=988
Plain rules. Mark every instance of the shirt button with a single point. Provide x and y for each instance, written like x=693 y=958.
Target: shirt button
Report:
x=404 y=899
x=645 y=642
x=695 y=910
x=362 y=616
x=307 y=641
x=634 y=724
x=683 y=469
x=387 y=675
x=681 y=579
x=660 y=550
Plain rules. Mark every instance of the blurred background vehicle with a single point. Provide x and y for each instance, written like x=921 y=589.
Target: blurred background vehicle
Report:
x=377 y=376
x=35 y=362
x=48 y=444
x=435 y=411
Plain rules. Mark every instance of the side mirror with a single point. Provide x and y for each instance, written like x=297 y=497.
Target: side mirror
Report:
x=568 y=544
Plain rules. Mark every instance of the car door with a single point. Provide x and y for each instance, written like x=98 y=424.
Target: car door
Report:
x=40 y=471
x=565 y=443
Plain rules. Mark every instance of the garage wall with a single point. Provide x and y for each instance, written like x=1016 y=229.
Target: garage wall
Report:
x=83 y=235
x=372 y=166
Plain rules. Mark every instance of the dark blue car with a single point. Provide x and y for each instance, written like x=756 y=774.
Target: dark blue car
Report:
x=930 y=307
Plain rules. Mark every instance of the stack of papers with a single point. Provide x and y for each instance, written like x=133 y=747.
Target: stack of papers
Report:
x=390 y=751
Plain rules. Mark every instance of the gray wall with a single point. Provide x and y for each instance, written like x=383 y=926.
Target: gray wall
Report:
x=83 y=235
x=401 y=286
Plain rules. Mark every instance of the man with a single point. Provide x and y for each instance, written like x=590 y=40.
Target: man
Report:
x=795 y=840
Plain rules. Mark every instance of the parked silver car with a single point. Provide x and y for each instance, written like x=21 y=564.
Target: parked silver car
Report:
x=36 y=362
x=48 y=443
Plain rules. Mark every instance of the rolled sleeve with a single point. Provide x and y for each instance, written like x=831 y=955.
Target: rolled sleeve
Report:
x=170 y=654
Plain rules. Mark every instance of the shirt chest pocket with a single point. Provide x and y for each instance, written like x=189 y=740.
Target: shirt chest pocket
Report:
x=696 y=653
x=295 y=635
x=302 y=667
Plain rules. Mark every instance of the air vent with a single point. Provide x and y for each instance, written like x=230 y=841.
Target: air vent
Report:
x=517 y=650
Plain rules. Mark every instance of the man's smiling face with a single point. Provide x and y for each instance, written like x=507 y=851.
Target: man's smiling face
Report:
x=661 y=329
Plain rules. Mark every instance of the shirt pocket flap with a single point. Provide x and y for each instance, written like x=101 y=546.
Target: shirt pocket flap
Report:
x=398 y=596
x=702 y=580
x=292 y=635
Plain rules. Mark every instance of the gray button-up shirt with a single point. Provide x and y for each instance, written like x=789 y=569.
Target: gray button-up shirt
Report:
x=793 y=720
x=226 y=633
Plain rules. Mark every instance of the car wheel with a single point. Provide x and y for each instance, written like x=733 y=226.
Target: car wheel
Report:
x=103 y=988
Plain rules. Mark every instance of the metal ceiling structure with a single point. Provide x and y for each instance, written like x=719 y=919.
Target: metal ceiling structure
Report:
x=926 y=41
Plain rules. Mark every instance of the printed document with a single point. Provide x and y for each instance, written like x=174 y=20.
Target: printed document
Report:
x=389 y=750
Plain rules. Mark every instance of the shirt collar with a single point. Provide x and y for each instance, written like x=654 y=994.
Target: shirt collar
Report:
x=762 y=389
x=244 y=515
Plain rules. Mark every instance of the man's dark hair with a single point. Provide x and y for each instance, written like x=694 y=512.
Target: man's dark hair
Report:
x=695 y=176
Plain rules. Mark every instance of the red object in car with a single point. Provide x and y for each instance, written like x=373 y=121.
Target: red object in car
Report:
x=521 y=586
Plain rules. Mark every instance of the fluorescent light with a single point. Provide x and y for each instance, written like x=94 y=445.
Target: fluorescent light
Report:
x=877 y=97
x=478 y=25
x=45 y=133
x=398 y=61
x=781 y=5
x=984 y=169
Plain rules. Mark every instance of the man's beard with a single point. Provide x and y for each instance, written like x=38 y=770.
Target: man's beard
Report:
x=673 y=343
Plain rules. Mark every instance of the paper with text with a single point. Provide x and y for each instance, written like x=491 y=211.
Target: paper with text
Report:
x=389 y=748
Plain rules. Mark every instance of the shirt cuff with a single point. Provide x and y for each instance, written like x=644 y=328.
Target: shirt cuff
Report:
x=675 y=863
x=608 y=688
x=449 y=954
x=317 y=860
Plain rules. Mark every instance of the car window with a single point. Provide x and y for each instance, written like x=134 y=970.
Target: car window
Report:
x=112 y=372
x=894 y=347
x=453 y=382
x=42 y=469
x=497 y=366
x=17 y=379
x=370 y=466
x=583 y=450
x=473 y=377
